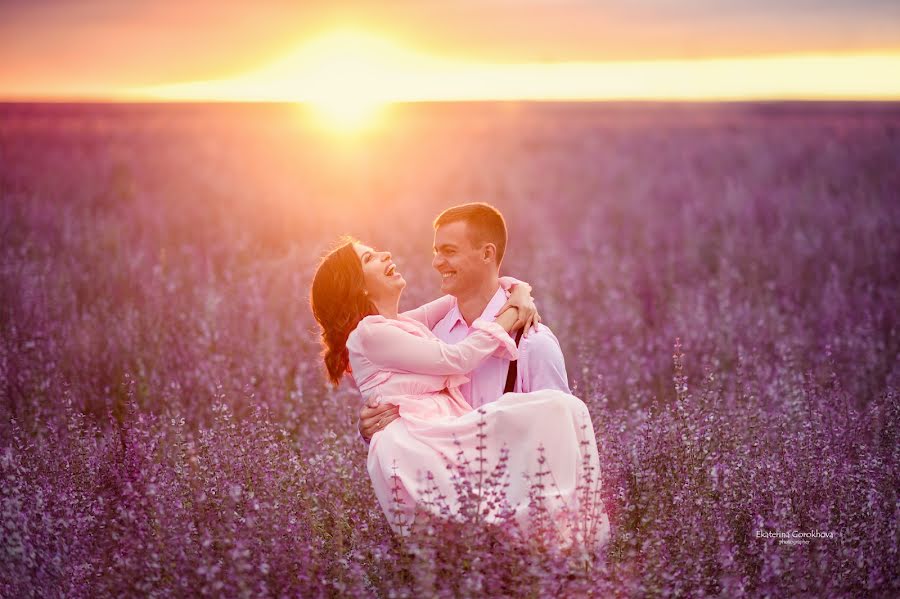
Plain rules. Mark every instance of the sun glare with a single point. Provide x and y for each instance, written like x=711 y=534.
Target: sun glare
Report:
x=346 y=114
x=348 y=76
x=344 y=77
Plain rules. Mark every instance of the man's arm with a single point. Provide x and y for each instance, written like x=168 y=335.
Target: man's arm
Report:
x=374 y=417
x=541 y=362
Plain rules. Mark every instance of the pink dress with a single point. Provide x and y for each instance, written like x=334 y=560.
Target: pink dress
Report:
x=402 y=362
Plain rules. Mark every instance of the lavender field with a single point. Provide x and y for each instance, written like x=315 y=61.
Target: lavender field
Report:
x=724 y=281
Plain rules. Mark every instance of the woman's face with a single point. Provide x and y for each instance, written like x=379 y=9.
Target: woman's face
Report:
x=380 y=274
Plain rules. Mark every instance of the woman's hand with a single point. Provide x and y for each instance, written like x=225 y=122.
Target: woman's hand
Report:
x=520 y=298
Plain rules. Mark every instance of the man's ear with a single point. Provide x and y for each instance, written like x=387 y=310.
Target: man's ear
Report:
x=489 y=252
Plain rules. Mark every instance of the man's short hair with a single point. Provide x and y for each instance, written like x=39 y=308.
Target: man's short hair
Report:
x=486 y=224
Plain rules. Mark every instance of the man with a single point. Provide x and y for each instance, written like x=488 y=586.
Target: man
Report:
x=469 y=244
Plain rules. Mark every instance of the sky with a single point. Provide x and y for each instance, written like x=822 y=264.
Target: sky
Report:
x=449 y=49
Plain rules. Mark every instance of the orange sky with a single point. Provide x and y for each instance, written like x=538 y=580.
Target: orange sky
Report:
x=115 y=49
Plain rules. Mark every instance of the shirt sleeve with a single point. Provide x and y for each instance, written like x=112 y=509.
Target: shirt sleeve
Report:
x=391 y=348
x=507 y=282
x=541 y=363
x=431 y=313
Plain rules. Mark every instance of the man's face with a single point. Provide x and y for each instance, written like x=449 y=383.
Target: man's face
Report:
x=460 y=263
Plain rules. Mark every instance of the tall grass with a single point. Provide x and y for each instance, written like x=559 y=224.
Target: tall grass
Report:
x=723 y=280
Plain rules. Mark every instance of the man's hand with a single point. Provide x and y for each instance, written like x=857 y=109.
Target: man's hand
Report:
x=520 y=298
x=374 y=418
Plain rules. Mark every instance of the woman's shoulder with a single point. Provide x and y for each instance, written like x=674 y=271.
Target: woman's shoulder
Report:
x=370 y=325
x=372 y=319
x=364 y=326
x=375 y=323
x=401 y=322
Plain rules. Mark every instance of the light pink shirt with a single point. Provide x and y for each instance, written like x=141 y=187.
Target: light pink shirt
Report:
x=540 y=365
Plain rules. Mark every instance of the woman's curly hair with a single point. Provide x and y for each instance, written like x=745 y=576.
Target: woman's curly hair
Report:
x=339 y=301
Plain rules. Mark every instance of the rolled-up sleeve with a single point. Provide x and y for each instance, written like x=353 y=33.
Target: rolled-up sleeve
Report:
x=541 y=363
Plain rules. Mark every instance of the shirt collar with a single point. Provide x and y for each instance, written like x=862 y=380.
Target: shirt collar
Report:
x=490 y=310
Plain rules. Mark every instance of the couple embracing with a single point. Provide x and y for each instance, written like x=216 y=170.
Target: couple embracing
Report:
x=450 y=376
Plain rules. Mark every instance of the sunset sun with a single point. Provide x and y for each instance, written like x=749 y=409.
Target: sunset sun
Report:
x=344 y=77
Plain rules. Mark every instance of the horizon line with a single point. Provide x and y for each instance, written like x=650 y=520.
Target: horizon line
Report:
x=346 y=77
x=894 y=98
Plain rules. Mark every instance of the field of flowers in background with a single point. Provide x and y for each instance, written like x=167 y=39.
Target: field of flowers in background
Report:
x=724 y=281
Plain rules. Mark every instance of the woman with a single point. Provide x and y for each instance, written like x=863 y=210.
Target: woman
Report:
x=394 y=357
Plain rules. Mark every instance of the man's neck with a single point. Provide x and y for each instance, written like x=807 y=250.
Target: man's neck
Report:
x=472 y=305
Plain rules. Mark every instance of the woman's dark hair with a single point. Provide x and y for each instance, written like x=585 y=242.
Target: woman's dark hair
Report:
x=339 y=302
